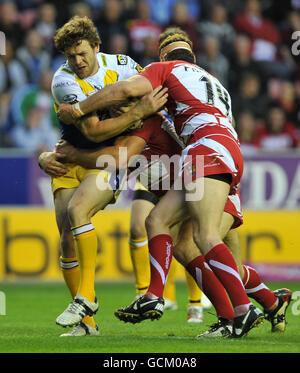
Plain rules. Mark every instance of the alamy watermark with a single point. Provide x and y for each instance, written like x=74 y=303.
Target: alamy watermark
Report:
x=2 y=43
x=296 y=44
x=2 y=303
x=296 y=303
x=156 y=173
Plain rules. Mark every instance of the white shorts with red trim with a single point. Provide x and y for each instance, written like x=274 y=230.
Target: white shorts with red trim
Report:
x=233 y=207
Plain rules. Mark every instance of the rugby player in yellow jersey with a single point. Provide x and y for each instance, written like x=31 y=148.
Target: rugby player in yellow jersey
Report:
x=81 y=193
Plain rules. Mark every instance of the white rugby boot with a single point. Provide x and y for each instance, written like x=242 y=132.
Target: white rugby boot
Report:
x=81 y=330
x=76 y=311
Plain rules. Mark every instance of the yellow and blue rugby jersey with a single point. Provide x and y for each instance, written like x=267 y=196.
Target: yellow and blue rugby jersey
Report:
x=68 y=88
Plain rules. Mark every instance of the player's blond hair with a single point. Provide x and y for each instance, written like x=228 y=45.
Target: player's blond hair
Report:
x=169 y=32
x=75 y=30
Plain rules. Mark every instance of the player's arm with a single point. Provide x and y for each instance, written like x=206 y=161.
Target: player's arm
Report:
x=135 y=86
x=66 y=90
x=88 y=158
x=98 y=131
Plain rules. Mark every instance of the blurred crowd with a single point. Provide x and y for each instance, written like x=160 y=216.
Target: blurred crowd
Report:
x=247 y=44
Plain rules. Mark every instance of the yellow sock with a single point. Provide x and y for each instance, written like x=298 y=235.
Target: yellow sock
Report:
x=140 y=261
x=193 y=291
x=170 y=291
x=71 y=273
x=86 y=244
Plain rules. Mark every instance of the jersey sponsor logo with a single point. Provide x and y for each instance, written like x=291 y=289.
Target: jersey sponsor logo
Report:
x=122 y=59
x=70 y=98
x=65 y=84
x=97 y=87
x=139 y=68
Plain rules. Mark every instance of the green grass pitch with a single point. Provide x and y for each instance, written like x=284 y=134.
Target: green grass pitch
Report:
x=31 y=309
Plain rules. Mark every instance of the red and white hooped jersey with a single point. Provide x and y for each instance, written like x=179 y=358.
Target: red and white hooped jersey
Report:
x=201 y=109
x=196 y=98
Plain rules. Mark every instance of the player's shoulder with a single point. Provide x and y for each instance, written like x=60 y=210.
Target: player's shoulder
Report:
x=123 y=64
x=114 y=60
x=64 y=86
x=64 y=71
x=161 y=65
x=63 y=77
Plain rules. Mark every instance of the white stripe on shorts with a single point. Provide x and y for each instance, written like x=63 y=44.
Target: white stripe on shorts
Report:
x=235 y=199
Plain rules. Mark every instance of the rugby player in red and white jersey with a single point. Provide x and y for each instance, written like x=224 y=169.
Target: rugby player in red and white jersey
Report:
x=152 y=140
x=202 y=113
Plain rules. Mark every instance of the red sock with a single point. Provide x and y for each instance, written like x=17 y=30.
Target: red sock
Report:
x=160 y=253
x=256 y=289
x=211 y=286
x=221 y=261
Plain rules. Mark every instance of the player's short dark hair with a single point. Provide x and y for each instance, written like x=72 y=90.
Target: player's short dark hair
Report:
x=75 y=30
x=181 y=54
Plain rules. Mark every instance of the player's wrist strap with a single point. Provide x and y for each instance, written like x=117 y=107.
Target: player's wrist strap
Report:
x=77 y=112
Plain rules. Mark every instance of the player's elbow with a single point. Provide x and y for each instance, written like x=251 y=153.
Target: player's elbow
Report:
x=93 y=134
x=127 y=91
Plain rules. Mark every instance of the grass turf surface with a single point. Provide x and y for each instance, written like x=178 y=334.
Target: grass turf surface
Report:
x=31 y=309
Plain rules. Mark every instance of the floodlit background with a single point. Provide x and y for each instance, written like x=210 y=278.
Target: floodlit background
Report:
x=251 y=46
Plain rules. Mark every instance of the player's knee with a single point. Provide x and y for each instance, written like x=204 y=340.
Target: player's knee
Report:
x=77 y=214
x=179 y=254
x=153 y=221
x=138 y=231
x=72 y=212
x=185 y=251
x=158 y=219
x=67 y=244
x=205 y=239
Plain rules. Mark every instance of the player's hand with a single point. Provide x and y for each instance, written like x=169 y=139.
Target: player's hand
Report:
x=49 y=163
x=66 y=151
x=153 y=102
x=122 y=107
x=68 y=114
